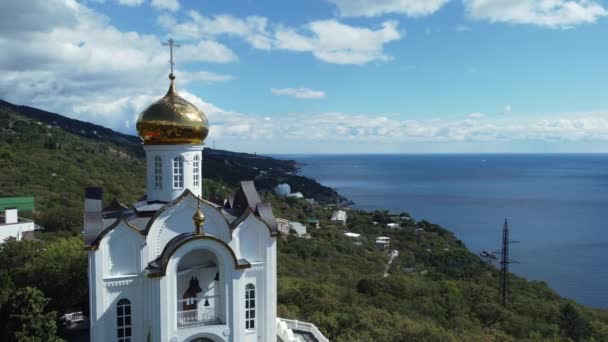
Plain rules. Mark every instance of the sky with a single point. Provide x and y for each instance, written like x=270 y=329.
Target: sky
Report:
x=325 y=76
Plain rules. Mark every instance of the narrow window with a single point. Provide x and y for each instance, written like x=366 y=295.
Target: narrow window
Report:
x=158 y=172
x=249 y=307
x=178 y=172
x=123 y=320
x=195 y=170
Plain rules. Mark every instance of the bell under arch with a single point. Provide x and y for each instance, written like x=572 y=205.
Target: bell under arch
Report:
x=199 y=289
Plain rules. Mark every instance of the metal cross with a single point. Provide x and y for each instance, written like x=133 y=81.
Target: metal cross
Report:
x=171 y=44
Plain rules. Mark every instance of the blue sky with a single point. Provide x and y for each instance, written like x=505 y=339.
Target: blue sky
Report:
x=325 y=76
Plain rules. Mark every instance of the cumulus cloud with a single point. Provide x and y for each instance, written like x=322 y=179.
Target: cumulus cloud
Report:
x=476 y=115
x=130 y=3
x=335 y=42
x=299 y=93
x=335 y=127
x=252 y=29
x=548 y=13
x=328 y=40
x=372 y=8
x=62 y=56
x=169 y=5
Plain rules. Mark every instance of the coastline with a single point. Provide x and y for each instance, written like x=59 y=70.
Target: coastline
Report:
x=562 y=257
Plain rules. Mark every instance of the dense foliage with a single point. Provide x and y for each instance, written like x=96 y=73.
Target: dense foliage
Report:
x=436 y=289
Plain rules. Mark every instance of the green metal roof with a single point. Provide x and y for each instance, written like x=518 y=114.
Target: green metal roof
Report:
x=21 y=203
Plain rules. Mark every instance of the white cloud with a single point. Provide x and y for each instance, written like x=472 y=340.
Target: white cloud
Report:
x=170 y=5
x=476 y=115
x=372 y=8
x=130 y=3
x=548 y=13
x=252 y=29
x=206 y=51
x=328 y=40
x=334 y=42
x=299 y=93
x=334 y=127
x=203 y=76
x=72 y=61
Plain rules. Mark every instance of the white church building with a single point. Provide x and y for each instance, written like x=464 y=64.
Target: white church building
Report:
x=174 y=267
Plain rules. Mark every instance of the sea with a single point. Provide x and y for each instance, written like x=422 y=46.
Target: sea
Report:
x=556 y=204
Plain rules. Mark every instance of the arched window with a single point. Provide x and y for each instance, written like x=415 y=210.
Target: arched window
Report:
x=158 y=172
x=195 y=170
x=123 y=320
x=178 y=172
x=249 y=307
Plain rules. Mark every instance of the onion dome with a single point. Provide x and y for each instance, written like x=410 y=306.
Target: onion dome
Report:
x=172 y=121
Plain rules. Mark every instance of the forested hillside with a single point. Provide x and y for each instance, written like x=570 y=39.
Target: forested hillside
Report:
x=436 y=289
x=54 y=158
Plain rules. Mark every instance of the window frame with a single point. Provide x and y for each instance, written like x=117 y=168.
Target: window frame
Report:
x=196 y=169
x=158 y=172
x=250 y=308
x=178 y=172
x=124 y=320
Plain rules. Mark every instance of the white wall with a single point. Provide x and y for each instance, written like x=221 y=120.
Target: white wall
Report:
x=167 y=154
x=15 y=230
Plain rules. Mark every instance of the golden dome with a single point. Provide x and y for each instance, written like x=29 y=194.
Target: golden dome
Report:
x=171 y=121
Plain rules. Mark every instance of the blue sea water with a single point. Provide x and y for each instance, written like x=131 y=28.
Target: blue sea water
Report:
x=557 y=206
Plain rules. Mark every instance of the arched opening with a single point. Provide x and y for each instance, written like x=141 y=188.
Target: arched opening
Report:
x=199 y=290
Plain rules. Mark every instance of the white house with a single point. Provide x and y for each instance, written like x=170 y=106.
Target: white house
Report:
x=287 y=227
x=296 y=195
x=339 y=216
x=175 y=267
x=11 y=225
x=393 y=225
x=383 y=243
x=282 y=189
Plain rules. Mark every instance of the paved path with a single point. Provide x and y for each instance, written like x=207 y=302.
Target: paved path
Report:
x=393 y=254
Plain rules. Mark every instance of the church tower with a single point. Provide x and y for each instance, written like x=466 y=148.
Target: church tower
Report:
x=175 y=267
x=173 y=132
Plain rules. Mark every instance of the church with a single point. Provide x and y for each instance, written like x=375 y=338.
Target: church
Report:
x=175 y=267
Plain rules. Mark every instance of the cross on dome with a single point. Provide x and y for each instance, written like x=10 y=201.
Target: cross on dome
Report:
x=171 y=43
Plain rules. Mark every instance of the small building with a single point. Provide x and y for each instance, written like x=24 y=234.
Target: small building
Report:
x=315 y=223
x=11 y=225
x=296 y=195
x=287 y=227
x=352 y=235
x=282 y=189
x=298 y=229
x=383 y=243
x=339 y=216
x=393 y=225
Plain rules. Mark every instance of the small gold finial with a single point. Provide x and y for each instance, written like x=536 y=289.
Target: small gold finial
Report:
x=198 y=218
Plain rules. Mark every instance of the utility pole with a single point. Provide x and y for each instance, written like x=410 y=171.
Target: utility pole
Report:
x=503 y=287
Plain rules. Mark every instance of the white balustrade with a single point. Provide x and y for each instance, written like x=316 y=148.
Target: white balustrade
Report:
x=202 y=315
x=306 y=327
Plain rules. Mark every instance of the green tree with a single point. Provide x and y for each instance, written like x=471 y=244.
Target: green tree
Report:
x=27 y=319
x=571 y=323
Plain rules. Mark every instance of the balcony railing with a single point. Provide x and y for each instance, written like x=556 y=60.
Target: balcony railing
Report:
x=202 y=315
x=306 y=327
